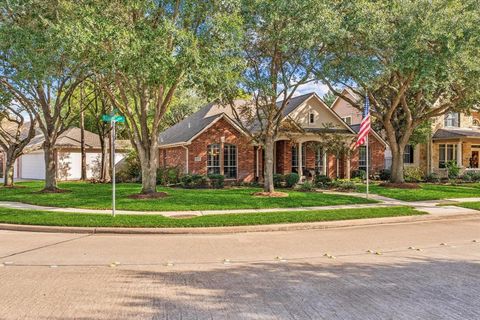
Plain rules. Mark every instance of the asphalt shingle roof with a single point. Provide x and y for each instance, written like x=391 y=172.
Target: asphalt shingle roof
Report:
x=456 y=133
x=186 y=129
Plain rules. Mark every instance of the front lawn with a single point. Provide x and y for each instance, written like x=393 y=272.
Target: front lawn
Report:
x=98 y=196
x=16 y=216
x=469 y=205
x=428 y=192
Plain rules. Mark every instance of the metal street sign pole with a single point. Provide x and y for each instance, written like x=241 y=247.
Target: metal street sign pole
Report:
x=113 y=165
x=113 y=118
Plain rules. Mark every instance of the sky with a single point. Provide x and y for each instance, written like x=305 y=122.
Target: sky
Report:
x=316 y=87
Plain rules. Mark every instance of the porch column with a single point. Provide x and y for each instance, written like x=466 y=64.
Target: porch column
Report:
x=324 y=163
x=459 y=154
x=300 y=160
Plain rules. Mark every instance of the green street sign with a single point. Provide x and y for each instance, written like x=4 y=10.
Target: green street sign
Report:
x=115 y=118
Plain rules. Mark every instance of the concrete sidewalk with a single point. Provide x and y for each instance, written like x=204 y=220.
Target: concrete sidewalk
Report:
x=430 y=206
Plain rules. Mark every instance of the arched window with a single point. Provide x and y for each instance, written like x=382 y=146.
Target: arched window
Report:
x=230 y=161
x=476 y=122
x=213 y=159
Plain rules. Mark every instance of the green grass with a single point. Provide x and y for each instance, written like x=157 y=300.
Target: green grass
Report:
x=428 y=192
x=98 y=196
x=469 y=205
x=16 y=216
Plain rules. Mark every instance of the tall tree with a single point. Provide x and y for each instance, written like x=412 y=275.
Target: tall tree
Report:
x=146 y=49
x=415 y=59
x=283 y=40
x=39 y=68
x=17 y=129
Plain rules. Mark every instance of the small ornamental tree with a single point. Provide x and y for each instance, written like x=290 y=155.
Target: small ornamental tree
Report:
x=416 y=59
x=17 y=129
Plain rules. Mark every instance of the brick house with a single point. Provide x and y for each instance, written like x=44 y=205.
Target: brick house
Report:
x=211 y=141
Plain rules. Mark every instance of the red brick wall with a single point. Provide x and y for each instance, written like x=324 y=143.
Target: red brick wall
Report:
x=197 y=151
x=284 y=156
x=377 y=151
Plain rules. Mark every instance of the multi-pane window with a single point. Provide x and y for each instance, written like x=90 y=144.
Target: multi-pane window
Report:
x=362 y=158
x=348 y=120
x=446 y=153
x=452 y=119
x=311 y=118
x=408 y=154
x=230 y=161
x=213 y=159
x=295 y=158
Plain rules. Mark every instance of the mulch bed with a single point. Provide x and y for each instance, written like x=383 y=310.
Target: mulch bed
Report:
x=56 y=190
x=271 y=194
x=154 y=195
x=404 y=185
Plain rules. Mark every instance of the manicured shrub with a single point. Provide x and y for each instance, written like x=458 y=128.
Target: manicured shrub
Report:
x=191 y=181
x=278 y=180
x=432 y=177
x=291 y=179
x=168 y=175
x=413 y=174
x=322 y=181
x=217 y=181
x=471 y=176
x=385 y=174
x=130 y=169
x=359 y=174
x=343 y=185
x=307 y=186
x=452 y=169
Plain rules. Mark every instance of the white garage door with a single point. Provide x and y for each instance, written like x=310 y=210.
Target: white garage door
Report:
x=33 y=166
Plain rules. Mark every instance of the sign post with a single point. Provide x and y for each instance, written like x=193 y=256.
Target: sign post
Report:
x=113 y=118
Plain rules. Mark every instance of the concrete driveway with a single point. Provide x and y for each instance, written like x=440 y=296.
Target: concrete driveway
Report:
x=426 y=270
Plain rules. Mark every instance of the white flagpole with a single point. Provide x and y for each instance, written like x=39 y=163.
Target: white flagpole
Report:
x=366 y=141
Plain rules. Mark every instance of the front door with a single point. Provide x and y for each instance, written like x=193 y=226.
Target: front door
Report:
x=474 y=159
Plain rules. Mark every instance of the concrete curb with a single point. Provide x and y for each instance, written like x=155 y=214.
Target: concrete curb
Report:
x=240 y=229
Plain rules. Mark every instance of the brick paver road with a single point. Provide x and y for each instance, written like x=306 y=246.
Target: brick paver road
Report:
x=280 y=275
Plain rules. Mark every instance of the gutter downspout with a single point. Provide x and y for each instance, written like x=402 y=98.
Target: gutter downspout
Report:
x=186 y=159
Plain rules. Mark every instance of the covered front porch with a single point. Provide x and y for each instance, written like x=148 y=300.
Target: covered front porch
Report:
x=306 y=157
x=465 y=151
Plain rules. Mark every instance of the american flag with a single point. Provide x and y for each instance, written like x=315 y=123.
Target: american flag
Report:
x=365 y=125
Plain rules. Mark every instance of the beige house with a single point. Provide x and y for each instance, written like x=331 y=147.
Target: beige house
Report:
x=455 y=136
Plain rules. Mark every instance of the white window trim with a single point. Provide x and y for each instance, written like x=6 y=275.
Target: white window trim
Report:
x=347 y=122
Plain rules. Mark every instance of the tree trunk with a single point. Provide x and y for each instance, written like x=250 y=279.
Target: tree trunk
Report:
x=268 y=170
x=83 y=175
x=8 y=179
x=50 y=169
x=149 y=163
x=396 y=175
x=104 y=168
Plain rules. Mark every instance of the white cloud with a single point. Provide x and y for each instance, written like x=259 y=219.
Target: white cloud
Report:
x=317 y=87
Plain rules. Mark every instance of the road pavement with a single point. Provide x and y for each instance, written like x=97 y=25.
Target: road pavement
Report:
x=423 y=270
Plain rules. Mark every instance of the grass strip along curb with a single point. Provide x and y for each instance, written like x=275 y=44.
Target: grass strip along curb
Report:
x=46 y=218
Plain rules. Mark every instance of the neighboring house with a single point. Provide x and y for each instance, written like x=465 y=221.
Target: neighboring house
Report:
x=455 y=137
x=31 y=165
x=211 y=141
